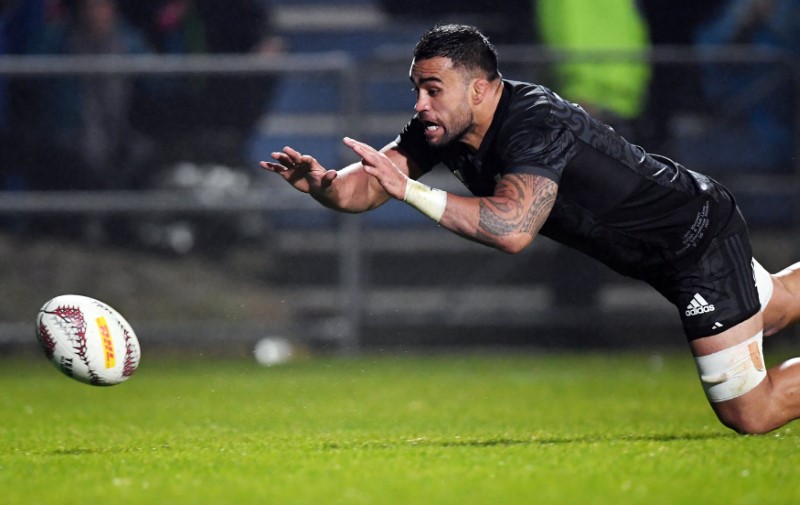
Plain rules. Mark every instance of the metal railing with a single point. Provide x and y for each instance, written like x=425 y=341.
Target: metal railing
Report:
x=337 y=65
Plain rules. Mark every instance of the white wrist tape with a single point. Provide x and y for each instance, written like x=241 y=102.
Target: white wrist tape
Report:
x=734 y=371
x=429 y=201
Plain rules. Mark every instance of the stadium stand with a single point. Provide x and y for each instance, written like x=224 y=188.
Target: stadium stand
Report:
x=424 y=283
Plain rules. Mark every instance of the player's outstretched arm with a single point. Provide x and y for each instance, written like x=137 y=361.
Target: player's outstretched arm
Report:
x=349 y=189
x=508 y=220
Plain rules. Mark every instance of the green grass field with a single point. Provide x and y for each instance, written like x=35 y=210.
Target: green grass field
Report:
x=497 y=429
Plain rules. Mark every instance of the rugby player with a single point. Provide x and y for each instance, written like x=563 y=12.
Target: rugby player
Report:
x=538 y=164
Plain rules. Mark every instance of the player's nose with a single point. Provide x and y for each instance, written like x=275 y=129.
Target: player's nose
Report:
x=421 y=104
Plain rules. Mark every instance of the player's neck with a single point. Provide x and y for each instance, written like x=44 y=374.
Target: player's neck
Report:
x=484 y=114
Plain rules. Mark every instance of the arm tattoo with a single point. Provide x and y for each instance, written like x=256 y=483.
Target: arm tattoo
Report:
x=521 y=203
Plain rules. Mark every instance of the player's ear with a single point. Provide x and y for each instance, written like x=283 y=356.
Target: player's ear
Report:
x=479 y=89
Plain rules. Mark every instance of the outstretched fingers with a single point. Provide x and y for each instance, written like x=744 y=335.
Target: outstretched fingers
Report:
x=288 y=158
x=301 y=170
x=379 y=166
x=367 y=152
x=273 y=167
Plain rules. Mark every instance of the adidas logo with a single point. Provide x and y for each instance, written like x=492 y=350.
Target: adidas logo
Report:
x=698 y=306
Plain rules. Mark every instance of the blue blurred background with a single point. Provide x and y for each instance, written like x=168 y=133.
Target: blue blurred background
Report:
x=131 y=130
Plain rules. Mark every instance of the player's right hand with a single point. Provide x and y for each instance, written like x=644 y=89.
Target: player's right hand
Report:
x=300 y=170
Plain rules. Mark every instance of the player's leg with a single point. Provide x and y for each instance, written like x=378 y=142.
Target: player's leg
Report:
x=725 y=320
x=784 y=305
x=746 y=397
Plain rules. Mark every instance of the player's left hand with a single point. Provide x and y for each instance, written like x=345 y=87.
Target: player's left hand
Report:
x=301 y=171
x=379 y=166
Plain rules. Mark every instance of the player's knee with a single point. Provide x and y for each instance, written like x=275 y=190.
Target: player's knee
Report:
x=746 y=421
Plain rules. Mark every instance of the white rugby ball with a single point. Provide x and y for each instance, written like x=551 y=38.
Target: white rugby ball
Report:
x=88 y=340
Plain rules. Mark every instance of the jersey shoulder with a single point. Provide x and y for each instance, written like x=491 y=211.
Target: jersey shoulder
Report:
x=534 y=136
x=528 y=104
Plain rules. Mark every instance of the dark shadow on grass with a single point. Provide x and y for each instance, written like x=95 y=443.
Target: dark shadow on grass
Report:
x=583 y=439
x=76 y=451
x=532 y=441
x=83 y=451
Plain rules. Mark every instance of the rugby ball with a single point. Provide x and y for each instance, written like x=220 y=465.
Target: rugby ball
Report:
x=87 y=340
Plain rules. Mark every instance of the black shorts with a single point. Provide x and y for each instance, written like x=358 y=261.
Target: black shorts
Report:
x=718 y=291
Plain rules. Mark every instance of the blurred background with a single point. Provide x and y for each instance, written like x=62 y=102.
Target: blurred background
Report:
x=131 y=130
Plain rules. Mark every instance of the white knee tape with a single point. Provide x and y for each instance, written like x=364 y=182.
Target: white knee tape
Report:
x=763 y=283
x=734 y=371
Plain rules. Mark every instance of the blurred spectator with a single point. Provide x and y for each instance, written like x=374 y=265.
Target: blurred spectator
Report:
x=200 y=26
x=506 y=22
x=754 y=105
x=83 y=124
x=673 y=88
x=614 y=92
x=213 y=113
x=20 y=20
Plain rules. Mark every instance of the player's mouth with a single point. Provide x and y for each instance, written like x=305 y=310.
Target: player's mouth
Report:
x=431 y=128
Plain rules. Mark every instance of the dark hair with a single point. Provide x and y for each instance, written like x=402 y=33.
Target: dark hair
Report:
x=464 y=45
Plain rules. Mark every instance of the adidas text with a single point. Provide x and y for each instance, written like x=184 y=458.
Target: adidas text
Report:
x=694 y=311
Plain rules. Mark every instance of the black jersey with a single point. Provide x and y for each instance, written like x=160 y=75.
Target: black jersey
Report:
x=639 y=213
